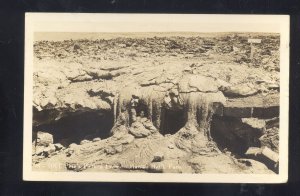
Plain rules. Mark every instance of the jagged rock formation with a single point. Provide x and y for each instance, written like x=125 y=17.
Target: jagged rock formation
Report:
x=170 y=114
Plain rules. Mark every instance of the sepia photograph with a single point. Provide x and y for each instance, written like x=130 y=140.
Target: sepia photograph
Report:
x=156 y=98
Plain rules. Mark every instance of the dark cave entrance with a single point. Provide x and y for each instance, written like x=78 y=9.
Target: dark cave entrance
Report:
x=142 y=109
x=77 y=127
x=229 y=133
x=172 y=120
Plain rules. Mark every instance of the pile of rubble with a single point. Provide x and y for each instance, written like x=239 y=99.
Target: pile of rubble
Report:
x=266 y=53
x=43 y=146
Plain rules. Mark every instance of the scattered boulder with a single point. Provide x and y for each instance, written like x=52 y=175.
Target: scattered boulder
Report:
x=120 y=132
x=58 y=147
x=44 y=139
x=268 y=85
x=138 y=130
x=203 y=83
x=253 y=151
x=49 y=150
x=270 y=154
x=270 y=139
x=122 y=45
x=171 y=146
x=97 y=139
x=110 y=150
x=75 y=166
x=223 y=85
x=197 y=83
x=187 y=69
x=273 y=87
x=39 y=150
x=119 y=148
x=273 y=122
x=76 y=47
x=158 y=157
x=127 y=139
x=73 y=145
x=240 y=90
x=264 y=155
x=149 y=125
x=70 y=151
x=255 y=123
x=85 y=142
x=251 y=163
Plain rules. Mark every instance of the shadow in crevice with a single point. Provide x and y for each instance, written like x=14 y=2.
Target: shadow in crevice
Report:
x=76 y=127
x=172 y=120
x=231 y=134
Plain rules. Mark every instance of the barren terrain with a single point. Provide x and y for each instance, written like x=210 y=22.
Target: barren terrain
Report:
x=156 y=102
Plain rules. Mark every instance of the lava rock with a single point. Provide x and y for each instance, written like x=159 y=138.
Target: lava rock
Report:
x=187 y=69
x=138 y=130
x=119 y=148
x=149 y=125
x=271 y=139
x=240 y=90
x=73 y=145
x=266 y=156
x=223 y=85
x=58 y=147
x=84 y=142
x=171 y=146
x=69 y=152
x=235 y=135
x=255 y=123
x=158 y=157
x=274 y=122
x=39 y=150
x=44 y=139
x=48 y=151
x=127 y=139
x=75 y=166
x=273 y=87
x=97 y=139
x=203 y=83
x=110 y=150
x=253 y=151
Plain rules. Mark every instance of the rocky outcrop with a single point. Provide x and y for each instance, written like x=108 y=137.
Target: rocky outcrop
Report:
x=266 y=156
x=155 y=102
x=247 y=122
x=44 y=139
x=43 y=146
x=259 y=106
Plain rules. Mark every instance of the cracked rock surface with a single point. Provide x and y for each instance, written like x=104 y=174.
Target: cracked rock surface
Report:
x=154 y=103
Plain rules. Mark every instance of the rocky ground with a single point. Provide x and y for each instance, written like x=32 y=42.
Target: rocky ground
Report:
x=202 y=105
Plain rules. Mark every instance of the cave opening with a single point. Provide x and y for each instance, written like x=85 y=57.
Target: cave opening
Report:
x=142 y=109
x=139 y=110
x=172 y=120
x=229 y=133
x=77 y=127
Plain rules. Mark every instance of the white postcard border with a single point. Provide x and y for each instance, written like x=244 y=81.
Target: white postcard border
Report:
x=58 y=22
